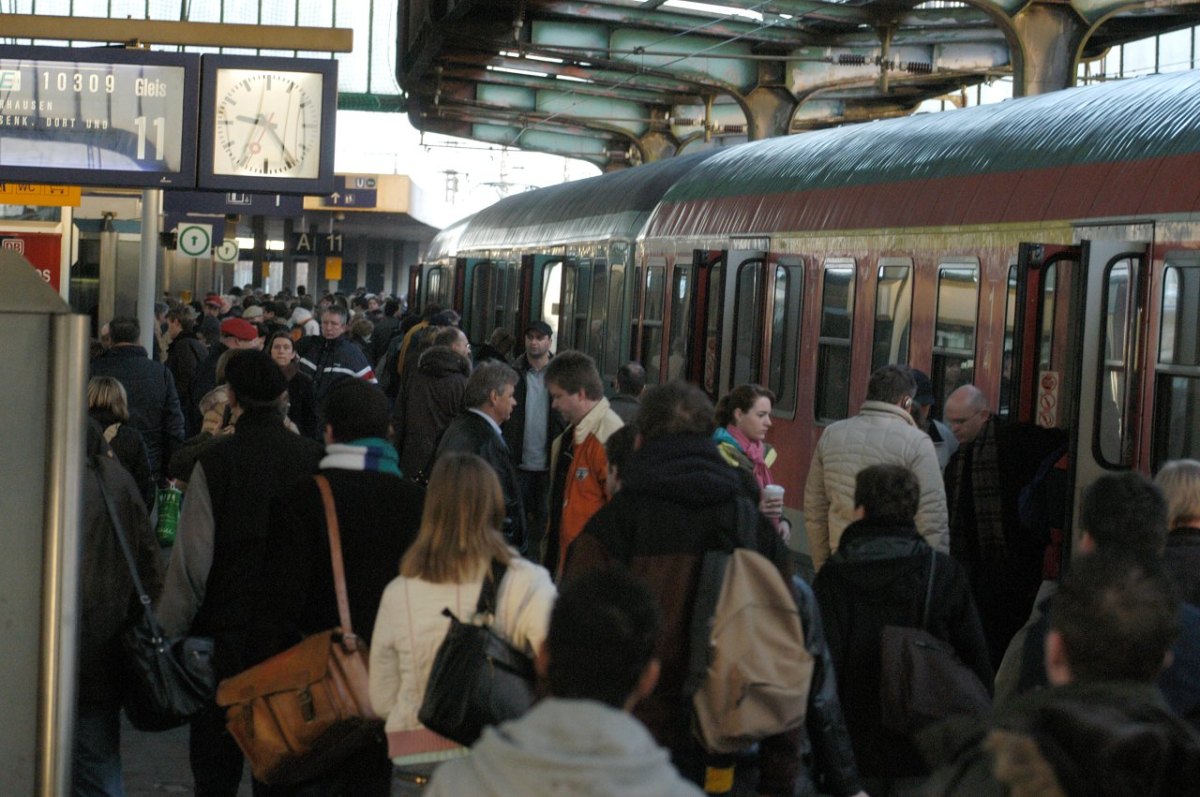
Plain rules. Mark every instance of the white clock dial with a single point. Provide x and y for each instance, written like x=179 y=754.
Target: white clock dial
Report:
x=268 y=123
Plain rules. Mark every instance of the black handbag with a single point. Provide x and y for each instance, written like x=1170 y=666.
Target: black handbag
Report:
x=478 y=678
x=922 y=679
x=166 y=681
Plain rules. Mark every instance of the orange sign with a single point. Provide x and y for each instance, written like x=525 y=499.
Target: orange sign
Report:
x=58 y=196
x=333 y=268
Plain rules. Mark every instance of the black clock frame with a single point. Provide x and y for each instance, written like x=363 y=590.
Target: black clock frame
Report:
x=207 y=179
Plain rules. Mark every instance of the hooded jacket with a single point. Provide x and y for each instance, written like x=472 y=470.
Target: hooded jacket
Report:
x=577 y=747
x=427 y=405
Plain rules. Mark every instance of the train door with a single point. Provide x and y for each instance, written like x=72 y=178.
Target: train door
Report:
x=1077 y=357
x=704 y=325
x=742 y=336
x=490 y=299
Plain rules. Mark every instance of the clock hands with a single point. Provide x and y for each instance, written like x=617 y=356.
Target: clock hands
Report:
x=264 y=122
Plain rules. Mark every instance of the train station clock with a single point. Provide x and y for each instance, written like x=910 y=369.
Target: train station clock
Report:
x=267 y=124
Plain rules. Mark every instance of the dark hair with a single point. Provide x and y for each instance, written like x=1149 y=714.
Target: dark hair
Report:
x=677 y=407
x=355 y=409
x=1117 y=617
x=185 y=319
x=1125 y=511
x=501 y=340
x=255 y=378
x=124 y=329
x=488 y=377
x=619 y=445
x=741 y=398
x=631 y=379
x=390 y=307
x=430 y=310
x=887 y=493
x=891 y=383
x=603 y=632
x=574 y=371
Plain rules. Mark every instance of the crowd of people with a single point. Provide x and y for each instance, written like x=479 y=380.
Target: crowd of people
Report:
x=597 y=506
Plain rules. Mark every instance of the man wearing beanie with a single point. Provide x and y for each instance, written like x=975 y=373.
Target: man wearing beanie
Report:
x=220 y=545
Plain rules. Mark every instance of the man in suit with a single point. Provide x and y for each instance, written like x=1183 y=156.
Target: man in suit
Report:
x=488 y=398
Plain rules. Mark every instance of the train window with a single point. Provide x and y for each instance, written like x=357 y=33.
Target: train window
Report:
x=833 y=345
x=1177 y=392
x=438 y=285
x=785 y=335
x=652 y=321
x=582 y=304
x=1010 y=331
x=597 y=329
x=483 y=296
x=1112 y=431
x=1049 y=291
x=954 y=330
x=893 y=313
x=679 y=339
x=552 y=300
x=712 y=328
x=508 y=314
x=747 y=323
x=613 y=328
x=570 y=283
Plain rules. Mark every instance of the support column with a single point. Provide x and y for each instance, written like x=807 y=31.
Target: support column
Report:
x=769 y=112
x=148 y=267
x=1049 y=37
x=259 y=225
x=289 y=260
x=389 y=268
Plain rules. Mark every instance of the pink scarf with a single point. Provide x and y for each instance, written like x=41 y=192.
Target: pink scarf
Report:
x=754 y=451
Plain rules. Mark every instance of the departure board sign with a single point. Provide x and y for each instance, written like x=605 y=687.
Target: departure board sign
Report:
x=98 y=116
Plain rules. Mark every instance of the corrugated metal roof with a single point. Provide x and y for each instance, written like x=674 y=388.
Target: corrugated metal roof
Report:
x=916 y=162
x=614 y=205
x=445 y=243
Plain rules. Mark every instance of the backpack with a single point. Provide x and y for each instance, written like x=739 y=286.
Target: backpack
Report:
x=749 y=671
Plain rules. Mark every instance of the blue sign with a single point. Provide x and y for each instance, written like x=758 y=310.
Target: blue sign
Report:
x=352 y=192
x=243 y=203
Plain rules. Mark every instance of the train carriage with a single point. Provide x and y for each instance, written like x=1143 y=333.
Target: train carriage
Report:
x=1045 y=249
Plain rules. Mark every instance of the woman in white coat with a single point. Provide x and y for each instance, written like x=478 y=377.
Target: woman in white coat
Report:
x=445 y=568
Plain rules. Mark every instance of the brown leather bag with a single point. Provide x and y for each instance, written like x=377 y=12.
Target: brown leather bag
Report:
x=300 y=712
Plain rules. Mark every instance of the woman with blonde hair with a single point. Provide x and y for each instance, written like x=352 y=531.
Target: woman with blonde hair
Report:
x=1180 y=483
x=108 y=405
x=445 y=567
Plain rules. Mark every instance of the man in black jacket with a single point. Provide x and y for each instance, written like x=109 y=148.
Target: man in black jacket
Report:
x=153 y=402
x=531 y=430
x=489 y=400
x=217 y=561
x=879 y=576
x=378 y=515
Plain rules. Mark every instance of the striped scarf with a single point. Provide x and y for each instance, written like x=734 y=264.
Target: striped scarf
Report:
x=368 y=453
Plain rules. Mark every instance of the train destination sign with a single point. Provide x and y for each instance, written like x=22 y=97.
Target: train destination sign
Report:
x=98 y=116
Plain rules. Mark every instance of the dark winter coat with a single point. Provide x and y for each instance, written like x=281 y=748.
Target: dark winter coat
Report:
x=154 y=408
x=130 y=450
x=878 y=577
x=107 y=598
x=1182 y=560
x=1078 y=740
x=679 y=500
x=429 y=401
x=302 y=402
x=378 y=517
x=183 y=355
x=244 y=472
x=471 y=434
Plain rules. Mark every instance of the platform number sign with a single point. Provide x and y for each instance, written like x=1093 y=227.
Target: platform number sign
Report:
x=195 y=240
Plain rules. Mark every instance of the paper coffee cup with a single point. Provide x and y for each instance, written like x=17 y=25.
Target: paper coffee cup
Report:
x=773 y=492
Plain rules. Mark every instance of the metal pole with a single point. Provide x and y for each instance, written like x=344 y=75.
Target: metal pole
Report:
x=148 y=267
x=60 y=553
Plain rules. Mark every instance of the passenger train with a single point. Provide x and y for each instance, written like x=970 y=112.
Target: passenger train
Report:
x=1046 y=249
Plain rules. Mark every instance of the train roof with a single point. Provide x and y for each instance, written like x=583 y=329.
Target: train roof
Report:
x=446 y=242
x=1115 y=149
x=614 y=205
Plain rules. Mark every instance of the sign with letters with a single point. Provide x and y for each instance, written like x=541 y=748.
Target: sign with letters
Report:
x=308 y=243
x=98 y=116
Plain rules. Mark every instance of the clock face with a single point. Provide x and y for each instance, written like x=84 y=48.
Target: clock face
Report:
x=268 y=123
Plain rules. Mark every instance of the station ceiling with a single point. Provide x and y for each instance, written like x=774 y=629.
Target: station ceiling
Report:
x=619 y=82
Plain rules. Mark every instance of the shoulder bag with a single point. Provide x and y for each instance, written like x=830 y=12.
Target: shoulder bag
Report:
x=478 y=678
x=301 y=712
x=922 y=680
x=166 y=681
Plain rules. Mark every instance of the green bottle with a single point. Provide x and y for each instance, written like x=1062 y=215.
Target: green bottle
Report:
x=169 y=500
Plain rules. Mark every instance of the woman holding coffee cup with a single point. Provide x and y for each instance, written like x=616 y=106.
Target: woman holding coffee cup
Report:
x=743 y=418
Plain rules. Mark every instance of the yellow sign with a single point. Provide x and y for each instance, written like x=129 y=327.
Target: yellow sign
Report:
x=266 y=269
x=58 y=196
x=333 y=268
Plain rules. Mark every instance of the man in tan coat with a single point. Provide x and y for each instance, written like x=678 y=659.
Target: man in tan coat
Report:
x=883 y=433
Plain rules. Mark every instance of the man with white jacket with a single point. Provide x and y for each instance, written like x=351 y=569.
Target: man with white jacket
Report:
x=883 y=433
